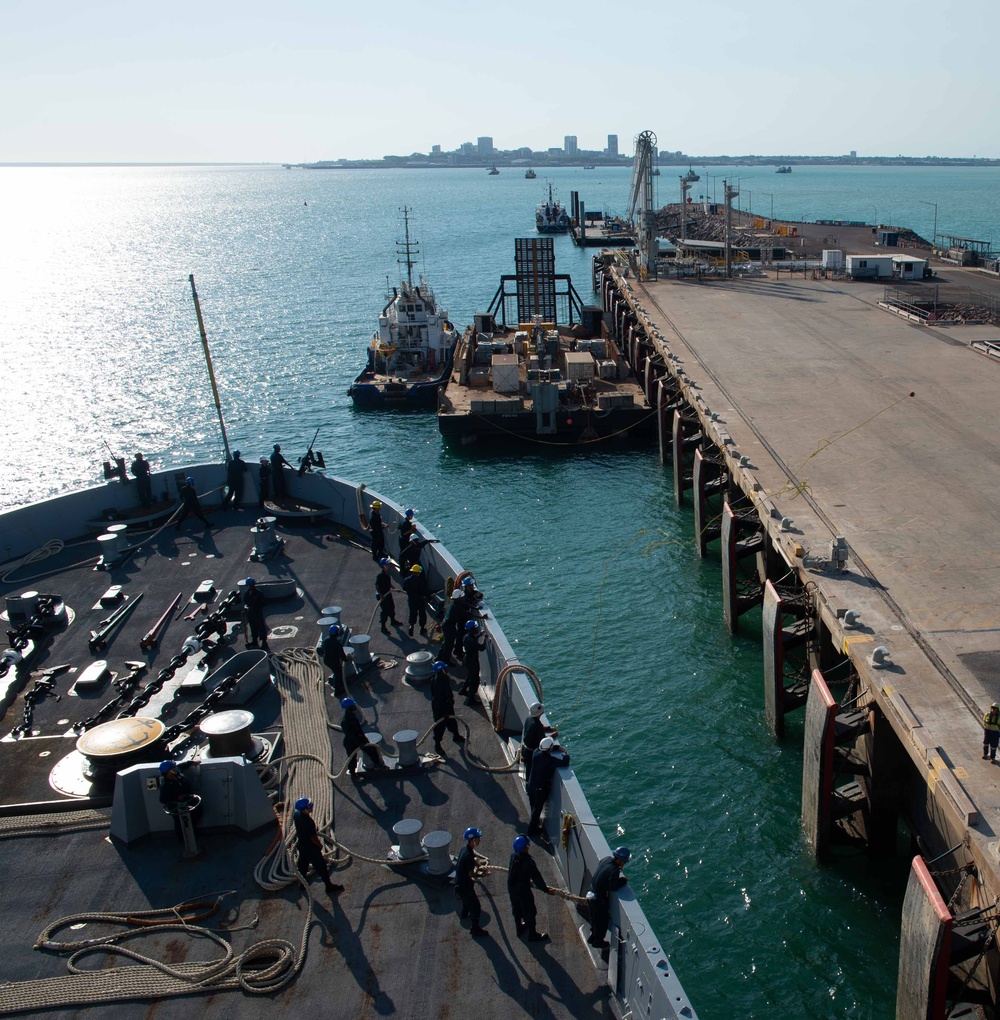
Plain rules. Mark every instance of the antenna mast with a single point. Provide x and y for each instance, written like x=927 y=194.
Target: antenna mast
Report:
x=407 y=247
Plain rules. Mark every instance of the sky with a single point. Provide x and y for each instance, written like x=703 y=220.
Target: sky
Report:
x=303 y=80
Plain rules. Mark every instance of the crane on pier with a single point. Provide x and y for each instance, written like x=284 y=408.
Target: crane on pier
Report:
x=641 y=214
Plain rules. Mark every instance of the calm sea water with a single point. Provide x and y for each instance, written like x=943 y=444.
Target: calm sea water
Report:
x=588 y=563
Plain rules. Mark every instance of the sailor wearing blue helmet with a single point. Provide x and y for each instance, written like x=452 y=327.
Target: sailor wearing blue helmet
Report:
x=474 y=644
x=522 y=874
x=443 y=706
x=310 y=846
x=334 y=657
x=464 y=883
x=190 y=507
x=607 y=879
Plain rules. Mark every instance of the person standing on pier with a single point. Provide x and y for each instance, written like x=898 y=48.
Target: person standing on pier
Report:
x=278 y=465
x=544 y=762
x=991 y=732
x=464 y=882
x=140 y=470
x=415 y=587
x=383 y=595
x=522 y=873
x=607 y=879
x=310 y=846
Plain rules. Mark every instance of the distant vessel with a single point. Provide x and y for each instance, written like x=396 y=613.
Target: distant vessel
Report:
x=530 y=175
x=551 y=217
x=783 y=170
x=590 y=166
x=493 y=171
x=656 y=171
x=691 y=175
x=411 y=353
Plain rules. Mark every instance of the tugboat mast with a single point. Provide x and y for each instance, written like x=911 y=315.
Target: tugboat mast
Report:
x=409 y=248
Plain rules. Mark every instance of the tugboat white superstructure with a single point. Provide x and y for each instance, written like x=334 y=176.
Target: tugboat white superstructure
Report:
x=411 y=353
x=551 y=217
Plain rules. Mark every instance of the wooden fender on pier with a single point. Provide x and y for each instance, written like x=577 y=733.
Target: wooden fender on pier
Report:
x=925 y=944
x=827 y=728
x=654 y=368
x=742 y=537
x=817 y=764
x=664 y=422
x=708 y=480
x=779 y=700
x=687 y=437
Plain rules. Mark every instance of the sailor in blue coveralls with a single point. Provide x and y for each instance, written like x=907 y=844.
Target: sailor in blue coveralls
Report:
x=606 y=880
x=464 y=883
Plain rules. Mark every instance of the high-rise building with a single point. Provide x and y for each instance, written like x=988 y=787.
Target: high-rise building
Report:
x=569 y=145
x=485 y=146
x=612 y=149
x=436 y=150
x=467 y=148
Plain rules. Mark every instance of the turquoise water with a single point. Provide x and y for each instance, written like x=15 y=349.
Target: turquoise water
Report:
x=589 y=565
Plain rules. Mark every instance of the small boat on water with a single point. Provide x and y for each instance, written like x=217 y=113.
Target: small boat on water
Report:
x=656 y=171
x=551 y=217
x=691 y=176
x=411 y=353
x=530 y=175
x=493 y=171
x=783 y=170
x=590 y=166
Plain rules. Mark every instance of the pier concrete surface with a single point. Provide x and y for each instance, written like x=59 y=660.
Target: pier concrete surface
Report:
x=835 y=418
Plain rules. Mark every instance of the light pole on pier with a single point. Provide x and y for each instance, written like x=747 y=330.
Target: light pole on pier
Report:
x=767 y=194
x=934 y=237
x=730 y=193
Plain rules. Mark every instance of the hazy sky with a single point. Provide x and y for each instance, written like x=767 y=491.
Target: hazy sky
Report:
x=305 y=80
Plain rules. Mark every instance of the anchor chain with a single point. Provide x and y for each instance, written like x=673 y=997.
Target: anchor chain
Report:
x=42 y=689
x=213 y=625
x=22 y=635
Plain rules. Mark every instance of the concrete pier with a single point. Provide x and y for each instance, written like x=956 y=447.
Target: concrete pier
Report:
x=861 y=451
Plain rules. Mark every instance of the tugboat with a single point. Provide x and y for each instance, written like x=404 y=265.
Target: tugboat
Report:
x=529 y=174
x=551 y=217
x=411 y=353
x=783 y=170
x=691 y=176
x=493 y=171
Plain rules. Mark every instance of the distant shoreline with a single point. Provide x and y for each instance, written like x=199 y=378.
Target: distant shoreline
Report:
x=546 y=164
x=596 y=164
